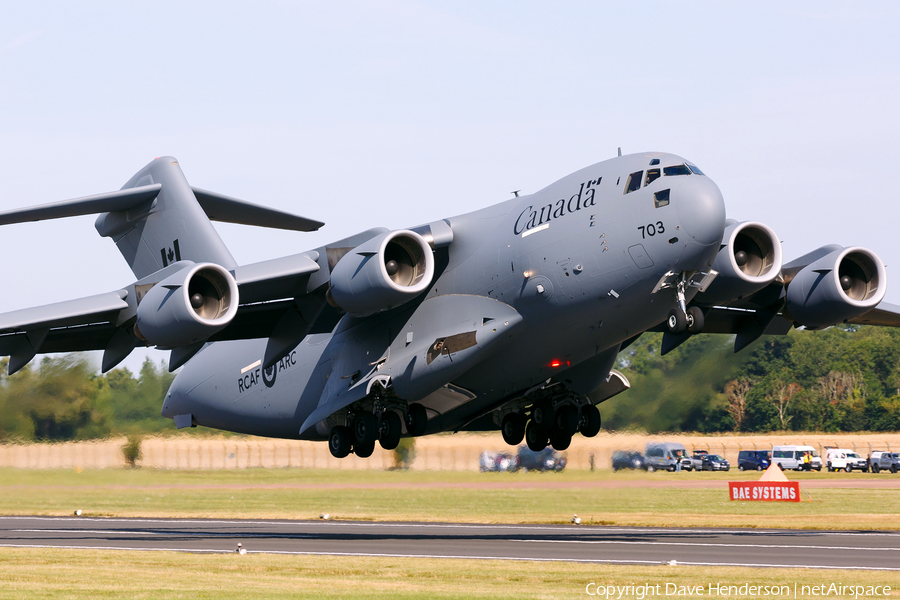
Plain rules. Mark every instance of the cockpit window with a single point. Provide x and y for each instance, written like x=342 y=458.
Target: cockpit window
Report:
x=695 y=170
x=652 y=175
x=677 y=170
x=634 y=182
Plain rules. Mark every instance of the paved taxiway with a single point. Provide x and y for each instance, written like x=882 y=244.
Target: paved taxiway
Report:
x=626 y=545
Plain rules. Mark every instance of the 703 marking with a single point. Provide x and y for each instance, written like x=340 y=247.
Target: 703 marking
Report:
x=651 y=229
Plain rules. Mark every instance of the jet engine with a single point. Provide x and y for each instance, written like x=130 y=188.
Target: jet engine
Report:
x=748 y=260
x=188 y=306
x=383 y=273
x=841 y=285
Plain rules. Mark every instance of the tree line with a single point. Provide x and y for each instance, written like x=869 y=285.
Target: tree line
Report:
x=63 y=398
x=839 y=379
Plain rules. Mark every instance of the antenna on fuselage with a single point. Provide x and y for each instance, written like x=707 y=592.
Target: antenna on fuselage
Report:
x=620 y=150
x=516 y=193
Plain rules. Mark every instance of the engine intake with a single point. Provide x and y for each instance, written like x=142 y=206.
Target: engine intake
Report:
x=837 y=287
x=381 y=274
x=750 y=259
x=188 y=306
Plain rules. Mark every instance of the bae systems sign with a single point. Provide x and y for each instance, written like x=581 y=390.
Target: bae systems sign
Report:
x=777 y=491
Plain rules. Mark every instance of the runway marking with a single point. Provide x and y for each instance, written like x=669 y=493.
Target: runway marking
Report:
x=560 y=529
x=655 y=543
x=448 y=556
x=173 y=532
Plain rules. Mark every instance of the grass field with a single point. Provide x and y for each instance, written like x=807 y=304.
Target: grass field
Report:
x=604 y=497
x=27 y=573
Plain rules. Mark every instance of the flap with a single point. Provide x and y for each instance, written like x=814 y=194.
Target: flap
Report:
x=82 y=311
x=885 y=315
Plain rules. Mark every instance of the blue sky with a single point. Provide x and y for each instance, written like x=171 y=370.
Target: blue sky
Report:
x=393 y=113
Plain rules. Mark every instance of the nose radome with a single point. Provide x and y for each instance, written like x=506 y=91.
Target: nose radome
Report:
x=701 y=209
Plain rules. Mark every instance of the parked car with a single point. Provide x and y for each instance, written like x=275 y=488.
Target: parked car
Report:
x=696 y=461
x=666 y=456
x=880 y=461
x=754 y=460
x=547 y=459
x=840 y=458
x=714 y=462
x=497 y=461
x=628 y=460
x=791 y=457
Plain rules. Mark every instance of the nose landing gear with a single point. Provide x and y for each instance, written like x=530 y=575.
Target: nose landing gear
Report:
x=681 y=318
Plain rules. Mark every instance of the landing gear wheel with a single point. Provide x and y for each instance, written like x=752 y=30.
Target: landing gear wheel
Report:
x=416 y=419
x=535 y=438
x=560 y=440
x=590 y=420
x=390 y=431
x=566 y=420
x=695 y=320
x=340 y=441
x=676 y=322
x=364 y=450
x=513 y=429
x=365 y=428
x=542 y=415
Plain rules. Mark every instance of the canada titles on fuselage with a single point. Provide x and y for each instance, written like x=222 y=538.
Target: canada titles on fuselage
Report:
x=531 y=218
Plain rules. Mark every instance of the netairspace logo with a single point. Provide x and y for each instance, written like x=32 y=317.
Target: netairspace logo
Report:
x=673 y=590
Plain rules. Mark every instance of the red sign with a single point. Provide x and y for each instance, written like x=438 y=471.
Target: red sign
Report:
x=778 y=491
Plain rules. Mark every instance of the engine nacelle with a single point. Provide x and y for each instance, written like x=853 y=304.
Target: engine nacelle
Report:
x=188 y=306
x=840 y=286
x=383 y=273
x=749 y=260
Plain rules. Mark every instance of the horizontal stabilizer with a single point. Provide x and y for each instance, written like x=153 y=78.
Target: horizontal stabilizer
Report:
x=88 y=205
x=225 y=209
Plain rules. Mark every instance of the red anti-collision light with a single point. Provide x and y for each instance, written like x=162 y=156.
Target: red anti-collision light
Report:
x=557 y=363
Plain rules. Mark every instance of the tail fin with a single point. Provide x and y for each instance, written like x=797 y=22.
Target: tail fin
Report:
x=170 y=227
x=157 y=218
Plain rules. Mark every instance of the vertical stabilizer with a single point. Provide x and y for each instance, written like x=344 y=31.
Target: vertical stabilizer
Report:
x=168 y=228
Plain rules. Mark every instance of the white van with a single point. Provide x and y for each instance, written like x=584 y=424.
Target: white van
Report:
x=841 y=458
x=791 y=457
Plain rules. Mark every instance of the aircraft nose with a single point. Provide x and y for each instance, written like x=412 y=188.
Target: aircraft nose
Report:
x=175 y=401
x=701 y=210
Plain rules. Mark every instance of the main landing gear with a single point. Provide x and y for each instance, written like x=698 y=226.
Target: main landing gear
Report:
x=550 y=425
x=366 y=428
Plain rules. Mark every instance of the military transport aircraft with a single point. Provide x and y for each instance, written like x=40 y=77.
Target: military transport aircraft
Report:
x=509 y=318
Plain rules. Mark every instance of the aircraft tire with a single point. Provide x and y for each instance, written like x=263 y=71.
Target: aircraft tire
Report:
x=590 y=420
x=566 y=419
x=364 y=450
x=416 y=419
x=542 y=415
x=513 y=428
x=365 y=428
x=391 y=430
x=676 y=322
x=535 y=438
x=695 y=320
x=560 y=440
x=340 y=441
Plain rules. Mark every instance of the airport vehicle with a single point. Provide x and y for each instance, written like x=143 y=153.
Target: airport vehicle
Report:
x=791 y=457
x=884 y=461
x=546 y=459
x=841 y=458
x=714 y=462
x=627 y=460
x=754 y=460
x=497 y=461
x=508 y=318
x=666 y=456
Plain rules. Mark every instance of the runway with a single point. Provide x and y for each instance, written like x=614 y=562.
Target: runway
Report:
x=594 y=544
